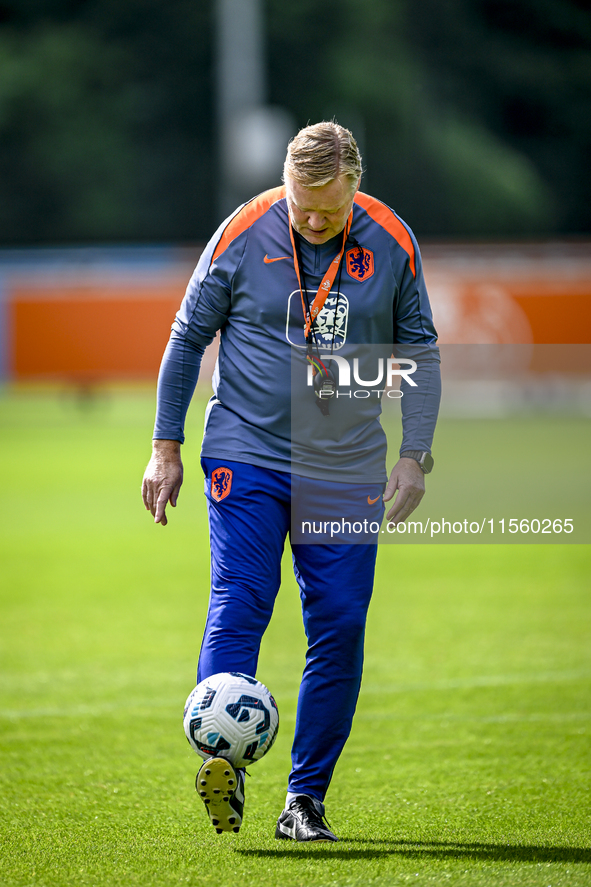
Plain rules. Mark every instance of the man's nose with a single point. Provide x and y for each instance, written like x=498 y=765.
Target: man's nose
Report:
x=316 y=221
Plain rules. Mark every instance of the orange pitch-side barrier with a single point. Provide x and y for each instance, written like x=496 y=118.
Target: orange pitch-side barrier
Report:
x=92 y=315
x=510 y=294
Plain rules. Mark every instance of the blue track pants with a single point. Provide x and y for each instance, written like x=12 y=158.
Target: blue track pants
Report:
x=250 y=516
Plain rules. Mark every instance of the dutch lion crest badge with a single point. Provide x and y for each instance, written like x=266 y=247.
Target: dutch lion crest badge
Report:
x=221 y=483
x=360 y=263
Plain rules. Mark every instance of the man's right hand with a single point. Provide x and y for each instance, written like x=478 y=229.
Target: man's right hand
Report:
x=162 y=479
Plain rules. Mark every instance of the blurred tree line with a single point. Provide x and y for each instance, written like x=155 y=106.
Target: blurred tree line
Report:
x=474 y=115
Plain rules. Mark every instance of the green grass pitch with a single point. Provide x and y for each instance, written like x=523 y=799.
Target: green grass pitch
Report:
x=469 y=761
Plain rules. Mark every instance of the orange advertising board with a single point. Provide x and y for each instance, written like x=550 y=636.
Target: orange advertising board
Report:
x=510 y=294
x=89 y=332
x=111 y=321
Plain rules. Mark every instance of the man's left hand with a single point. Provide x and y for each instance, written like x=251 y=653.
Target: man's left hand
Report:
x=409 y=480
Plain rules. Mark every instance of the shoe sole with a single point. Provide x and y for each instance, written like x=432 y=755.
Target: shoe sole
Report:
x=216 y=783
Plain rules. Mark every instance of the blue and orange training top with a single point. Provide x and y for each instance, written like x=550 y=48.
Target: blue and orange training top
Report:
x=264 y=409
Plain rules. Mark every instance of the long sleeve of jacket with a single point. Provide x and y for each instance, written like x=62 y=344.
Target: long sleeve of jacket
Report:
x=415 y=339
x=204 y=310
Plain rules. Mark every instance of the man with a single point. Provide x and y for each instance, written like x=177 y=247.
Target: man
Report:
x=298 y=280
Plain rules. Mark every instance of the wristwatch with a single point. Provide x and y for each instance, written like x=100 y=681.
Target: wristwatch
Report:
x=424 y=459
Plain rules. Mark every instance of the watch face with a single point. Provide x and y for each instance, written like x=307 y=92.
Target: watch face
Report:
x=427 y=463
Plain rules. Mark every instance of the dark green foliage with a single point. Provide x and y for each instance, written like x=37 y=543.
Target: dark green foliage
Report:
x=105 y=121
x=474 y=115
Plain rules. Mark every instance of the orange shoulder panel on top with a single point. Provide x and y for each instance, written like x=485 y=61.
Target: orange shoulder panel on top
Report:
x=247 y=216
x=384 y=216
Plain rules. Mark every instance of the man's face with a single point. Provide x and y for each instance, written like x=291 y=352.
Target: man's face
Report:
x=319 y=214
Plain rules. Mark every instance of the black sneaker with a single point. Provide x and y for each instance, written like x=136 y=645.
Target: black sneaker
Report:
x=302 y=821
x=221 y=788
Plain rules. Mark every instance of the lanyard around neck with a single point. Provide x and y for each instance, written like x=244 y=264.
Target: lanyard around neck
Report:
x=327 y=280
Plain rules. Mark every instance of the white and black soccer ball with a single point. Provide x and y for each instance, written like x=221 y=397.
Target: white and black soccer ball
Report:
x=233 y=716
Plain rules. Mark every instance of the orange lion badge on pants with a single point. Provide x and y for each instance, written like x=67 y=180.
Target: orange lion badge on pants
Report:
x=221 y=483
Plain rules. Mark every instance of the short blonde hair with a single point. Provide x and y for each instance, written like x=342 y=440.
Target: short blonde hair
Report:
x=320 y=153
